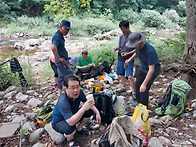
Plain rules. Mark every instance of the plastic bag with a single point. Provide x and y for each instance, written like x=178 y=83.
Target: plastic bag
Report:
x=141 y=119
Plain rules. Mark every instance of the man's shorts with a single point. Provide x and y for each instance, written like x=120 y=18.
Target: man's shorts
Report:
x=64 y=128
x=125 y=72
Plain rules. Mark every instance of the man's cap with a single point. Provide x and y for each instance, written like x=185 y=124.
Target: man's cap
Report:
x=135 y=39
x=66 y=24
x=73 y=60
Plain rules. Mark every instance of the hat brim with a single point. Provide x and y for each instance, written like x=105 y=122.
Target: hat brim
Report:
x=131 y=44
x=67 y=27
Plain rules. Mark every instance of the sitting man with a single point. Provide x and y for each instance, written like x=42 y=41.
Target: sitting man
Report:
x=69 y=116
x=85 y=65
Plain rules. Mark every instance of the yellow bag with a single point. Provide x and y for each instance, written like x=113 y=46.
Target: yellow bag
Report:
x=96 y=86
x=141 y=119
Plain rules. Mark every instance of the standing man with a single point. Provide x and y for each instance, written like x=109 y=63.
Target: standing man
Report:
x=85 y=65
x=60 y=52
x=69 y=116
x=150 y=66
x=125 y=70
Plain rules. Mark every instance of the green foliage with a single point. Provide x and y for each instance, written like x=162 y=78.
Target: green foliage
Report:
x=8 y=78
x=103 y=53
x=90 y=26
x=5 y=76
x=21 y=7
x=172 y=15
x=128 y=14
x=181 y=9
x=32 y=25
x=151 y=18
x=4 y=9
x=24 y=131
x=64 y=8
x=170 y=49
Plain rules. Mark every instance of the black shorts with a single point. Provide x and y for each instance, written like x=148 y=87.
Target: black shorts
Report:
x=54 y=68
x=64 y=128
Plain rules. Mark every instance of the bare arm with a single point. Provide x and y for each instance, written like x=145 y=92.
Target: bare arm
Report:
x=118 y=48
x=55 y=52
x=131 y=58
x=76 y=117
x=98 y=117
x=128 y=53
x=148 y=77
x=84 y=67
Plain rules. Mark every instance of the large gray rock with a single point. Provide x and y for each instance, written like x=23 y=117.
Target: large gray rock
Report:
x=165 y=141
x=154 y=142
x=57 y=137
x=36 y=135
x=34 y=102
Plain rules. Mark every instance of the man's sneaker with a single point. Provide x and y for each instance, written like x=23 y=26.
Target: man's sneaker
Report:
x=123 y=89
x=91 y=125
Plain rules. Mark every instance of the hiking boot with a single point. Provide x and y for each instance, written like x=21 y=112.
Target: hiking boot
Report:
x=123 y=89
x=91 y=125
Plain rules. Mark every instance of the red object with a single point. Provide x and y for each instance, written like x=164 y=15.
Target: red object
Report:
x=144 y=138
x=69 y=63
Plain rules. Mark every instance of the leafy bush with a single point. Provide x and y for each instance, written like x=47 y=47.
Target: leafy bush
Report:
x=129 y=15
x=8 y=78
x=90 y=25
x=5 y=76
x=151 y=18
x=4 y=9
x=103 y=53
x=181 y=9
x=172 y=15
x=31 y=25
x=168 y=49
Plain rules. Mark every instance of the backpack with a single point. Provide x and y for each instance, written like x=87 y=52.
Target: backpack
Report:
x=105 y=67
x=173 y=102
x=103 y=102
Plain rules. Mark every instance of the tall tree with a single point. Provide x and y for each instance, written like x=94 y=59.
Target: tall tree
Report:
x=64 y=8
x=189 y=66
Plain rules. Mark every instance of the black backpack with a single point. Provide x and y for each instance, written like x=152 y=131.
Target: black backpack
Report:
x=105 y=67
x=103 y=103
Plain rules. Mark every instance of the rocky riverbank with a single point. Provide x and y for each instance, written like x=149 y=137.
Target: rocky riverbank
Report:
x=23 y=104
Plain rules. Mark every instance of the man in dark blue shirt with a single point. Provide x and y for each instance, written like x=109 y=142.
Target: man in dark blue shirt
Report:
x=73 y=111
x=150 y=66
x=60 y=52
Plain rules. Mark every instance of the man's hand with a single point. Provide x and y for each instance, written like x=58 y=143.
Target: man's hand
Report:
x=88 y=66
x=88 y=104
x=98 y=118
x=143 y=88
x=62 y=60
x=124 y=54
x=128 y=60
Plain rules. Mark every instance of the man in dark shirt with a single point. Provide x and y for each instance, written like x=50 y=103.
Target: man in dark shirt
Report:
x=150 y=66
x=60 y=52
x=125 y=71
x=70 y=115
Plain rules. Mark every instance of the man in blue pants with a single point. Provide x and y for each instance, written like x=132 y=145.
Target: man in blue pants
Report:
x=60 y=52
